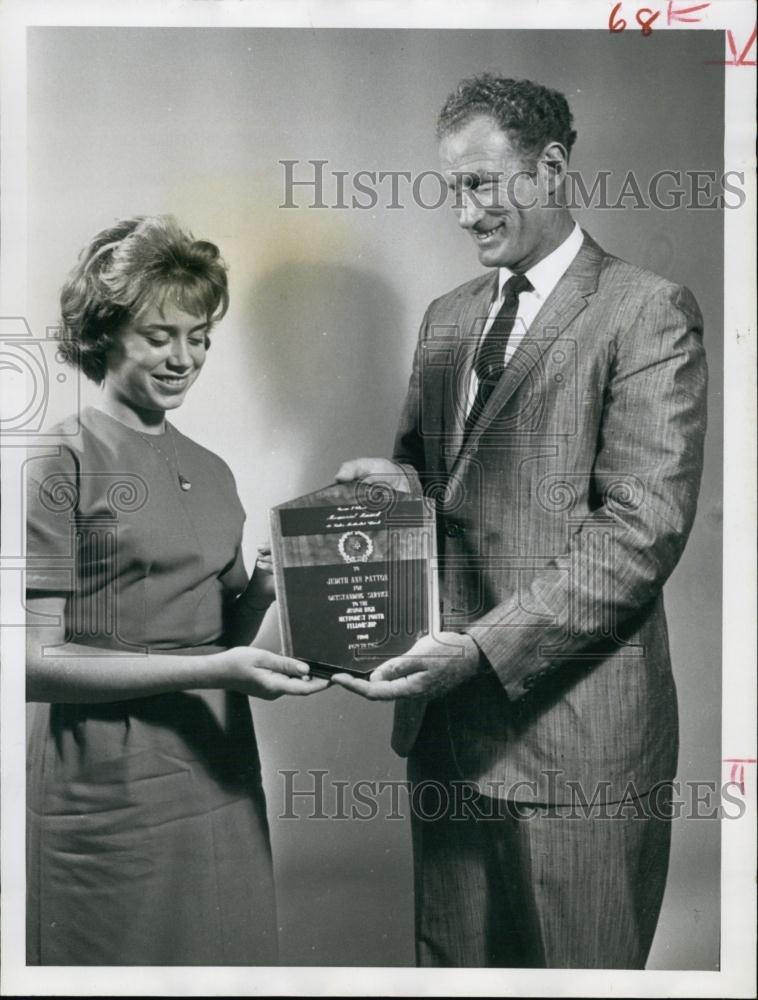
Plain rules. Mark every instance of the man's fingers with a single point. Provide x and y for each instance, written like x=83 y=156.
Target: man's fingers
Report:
x=354 y=684
x=375 y=470
x=362 y=468
x=373 y=690
x=400 y=666
x=354 y=469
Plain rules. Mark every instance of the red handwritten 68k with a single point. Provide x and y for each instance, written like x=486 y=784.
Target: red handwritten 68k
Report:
x=646 y=16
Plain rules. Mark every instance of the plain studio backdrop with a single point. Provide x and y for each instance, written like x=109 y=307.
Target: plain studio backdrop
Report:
x=311 y=363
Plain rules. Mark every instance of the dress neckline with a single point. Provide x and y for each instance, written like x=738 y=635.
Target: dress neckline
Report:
x=131 y=430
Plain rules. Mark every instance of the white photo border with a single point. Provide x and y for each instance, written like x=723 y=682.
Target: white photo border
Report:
x=738 y=925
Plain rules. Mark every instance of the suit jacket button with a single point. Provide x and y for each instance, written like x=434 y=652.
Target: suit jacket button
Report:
x=453 y=529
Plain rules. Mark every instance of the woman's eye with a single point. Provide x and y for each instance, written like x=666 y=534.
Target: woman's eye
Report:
x=198 y=341
x=156 y=342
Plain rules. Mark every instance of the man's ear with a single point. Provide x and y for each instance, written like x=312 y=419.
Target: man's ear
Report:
x=552 y=166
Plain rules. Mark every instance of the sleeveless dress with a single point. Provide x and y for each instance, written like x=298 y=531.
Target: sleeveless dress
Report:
x=147 y=836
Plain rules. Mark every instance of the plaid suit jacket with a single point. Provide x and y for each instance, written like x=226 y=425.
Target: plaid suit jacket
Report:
x=559 y=519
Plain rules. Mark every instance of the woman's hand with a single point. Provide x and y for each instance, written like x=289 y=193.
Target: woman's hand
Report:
x=261 y=674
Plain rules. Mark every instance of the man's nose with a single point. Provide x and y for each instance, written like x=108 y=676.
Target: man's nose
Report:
x=468 y=209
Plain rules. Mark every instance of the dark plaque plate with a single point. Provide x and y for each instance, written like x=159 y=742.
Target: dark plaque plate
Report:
x=356 y=579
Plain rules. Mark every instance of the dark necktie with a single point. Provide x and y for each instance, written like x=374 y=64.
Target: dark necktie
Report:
x=489 y=362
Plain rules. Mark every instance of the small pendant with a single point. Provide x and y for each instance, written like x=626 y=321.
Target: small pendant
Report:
x=185 y=484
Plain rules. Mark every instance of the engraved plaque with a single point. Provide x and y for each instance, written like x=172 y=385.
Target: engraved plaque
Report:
x=356 y=575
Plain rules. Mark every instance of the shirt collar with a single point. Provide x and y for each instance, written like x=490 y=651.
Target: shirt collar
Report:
x=547 y=272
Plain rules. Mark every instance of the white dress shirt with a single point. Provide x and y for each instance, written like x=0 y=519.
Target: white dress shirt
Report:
x=544 y=276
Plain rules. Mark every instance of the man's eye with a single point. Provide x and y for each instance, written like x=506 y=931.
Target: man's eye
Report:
x=199 y=341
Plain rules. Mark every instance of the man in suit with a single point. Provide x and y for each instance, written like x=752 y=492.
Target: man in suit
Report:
x=556 y=411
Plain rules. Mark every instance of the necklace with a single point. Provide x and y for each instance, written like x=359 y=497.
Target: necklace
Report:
x=184 y=484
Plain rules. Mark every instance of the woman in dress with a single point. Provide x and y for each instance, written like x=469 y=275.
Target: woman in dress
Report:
x=147 y=833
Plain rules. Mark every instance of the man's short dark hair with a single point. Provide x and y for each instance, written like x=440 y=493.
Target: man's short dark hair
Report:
x=531 y=115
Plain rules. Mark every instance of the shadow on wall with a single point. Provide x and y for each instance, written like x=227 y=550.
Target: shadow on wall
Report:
x=332 y=356
x=331 y=342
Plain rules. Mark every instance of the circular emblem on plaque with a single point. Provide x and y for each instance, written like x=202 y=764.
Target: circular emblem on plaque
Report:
x=355 y=546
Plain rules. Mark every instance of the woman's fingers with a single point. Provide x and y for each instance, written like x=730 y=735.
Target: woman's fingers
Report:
x=243 y=659
x=278 y=664
x=264 y=558
x=309 y=685
x=270 y=685
x=259 y=673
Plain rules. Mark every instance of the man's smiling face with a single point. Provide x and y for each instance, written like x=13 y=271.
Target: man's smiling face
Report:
x=498 y=200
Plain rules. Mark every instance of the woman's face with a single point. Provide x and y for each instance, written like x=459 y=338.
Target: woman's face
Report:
x=157 y=357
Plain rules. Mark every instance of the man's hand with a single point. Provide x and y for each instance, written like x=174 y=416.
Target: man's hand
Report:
x=374 y=470
x=431 y=668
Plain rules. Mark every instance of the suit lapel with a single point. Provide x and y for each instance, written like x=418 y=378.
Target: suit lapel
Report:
x=474 y=311
x=567 y=300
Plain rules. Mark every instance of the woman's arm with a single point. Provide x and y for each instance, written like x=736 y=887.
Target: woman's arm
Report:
x=57 y=671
